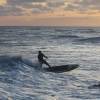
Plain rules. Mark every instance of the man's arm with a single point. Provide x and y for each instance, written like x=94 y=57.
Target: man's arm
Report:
x=45 y=56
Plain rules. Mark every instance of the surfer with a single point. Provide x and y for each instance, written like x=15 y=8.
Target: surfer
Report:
x=41 y=59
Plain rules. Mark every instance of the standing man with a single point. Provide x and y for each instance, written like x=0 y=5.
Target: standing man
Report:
x=41 y=59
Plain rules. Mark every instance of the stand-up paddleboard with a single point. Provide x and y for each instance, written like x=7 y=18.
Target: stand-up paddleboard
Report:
x=62 y=68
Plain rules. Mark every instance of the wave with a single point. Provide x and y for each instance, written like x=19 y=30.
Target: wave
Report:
x=95 y=86
x=15 y=70
x=89 y=40
x=66 y=37
x=8 y=63
x=19 y=79
x=16 y=74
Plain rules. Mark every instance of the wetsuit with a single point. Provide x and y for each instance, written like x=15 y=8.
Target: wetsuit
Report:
x=41 y=60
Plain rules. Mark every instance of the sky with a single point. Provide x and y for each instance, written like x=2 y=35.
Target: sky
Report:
x=49 y=12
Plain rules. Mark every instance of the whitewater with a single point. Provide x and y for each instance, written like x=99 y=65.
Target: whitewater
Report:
x=21 y=77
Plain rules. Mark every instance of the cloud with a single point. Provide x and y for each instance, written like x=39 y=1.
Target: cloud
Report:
x=82 y=5
x=55 y=3
x=20 y=2
x=27 y=7
x=34 y=6
x=6 y=11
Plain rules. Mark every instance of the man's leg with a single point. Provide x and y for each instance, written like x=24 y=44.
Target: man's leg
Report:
x=40 y=62
x=46 y=63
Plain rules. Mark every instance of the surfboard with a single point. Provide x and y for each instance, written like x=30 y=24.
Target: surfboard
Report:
x=62 y=68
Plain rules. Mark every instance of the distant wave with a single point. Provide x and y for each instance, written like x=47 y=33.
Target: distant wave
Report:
x=87 y=30
x=65 y=36
x=89 y=40
x=95 y=86
x=84 y=29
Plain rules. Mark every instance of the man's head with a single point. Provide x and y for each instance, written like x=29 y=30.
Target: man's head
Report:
x=39 y=51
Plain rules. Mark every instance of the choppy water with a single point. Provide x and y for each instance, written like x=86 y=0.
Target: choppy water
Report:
x=63 y=45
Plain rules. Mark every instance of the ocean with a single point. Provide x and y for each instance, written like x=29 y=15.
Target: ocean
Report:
x=19 y=78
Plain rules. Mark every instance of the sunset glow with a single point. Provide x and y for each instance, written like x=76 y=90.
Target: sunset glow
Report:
x=2 y=2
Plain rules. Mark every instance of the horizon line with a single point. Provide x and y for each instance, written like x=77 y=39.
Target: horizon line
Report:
x=46 y=26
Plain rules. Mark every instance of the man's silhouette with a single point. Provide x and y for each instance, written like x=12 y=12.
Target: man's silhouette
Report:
x=41 y=58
